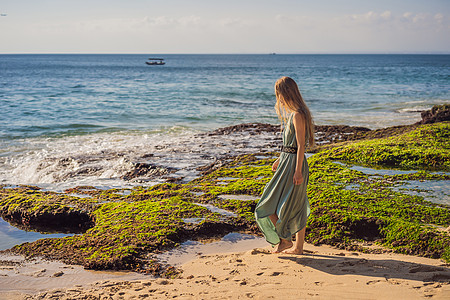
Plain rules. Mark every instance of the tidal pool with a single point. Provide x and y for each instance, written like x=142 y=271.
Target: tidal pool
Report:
x=11 y=236
x=436 y=191
x=215 y=209
x=371 y=171
x=238 y=197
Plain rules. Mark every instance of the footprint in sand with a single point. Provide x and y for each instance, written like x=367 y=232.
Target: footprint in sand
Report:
x=39 y=273
x=58 y=274
x=348 y=270
x=162 y=282
x=428 y=288
x=395 y=281
x=234 y=272
x=260 y=251
x=373 y=282
x=312 y=295
x=345 y=264
x=439 y=277
x=425 y=269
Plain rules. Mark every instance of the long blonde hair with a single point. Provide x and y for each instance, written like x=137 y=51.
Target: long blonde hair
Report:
x=290 y=100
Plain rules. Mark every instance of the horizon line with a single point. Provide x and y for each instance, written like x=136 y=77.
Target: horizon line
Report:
x=233 y=53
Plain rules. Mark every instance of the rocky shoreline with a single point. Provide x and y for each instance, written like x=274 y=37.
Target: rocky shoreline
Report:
x=122 y=229
x=329 y=134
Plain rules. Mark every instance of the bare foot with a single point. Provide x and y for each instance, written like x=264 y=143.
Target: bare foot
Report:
x=283 y=245
x=293 y=250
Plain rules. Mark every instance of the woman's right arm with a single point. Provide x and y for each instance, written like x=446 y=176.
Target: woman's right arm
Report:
x=275 y=164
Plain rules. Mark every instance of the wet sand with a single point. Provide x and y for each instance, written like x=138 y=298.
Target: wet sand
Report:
x=322 y=273
x=19 y=276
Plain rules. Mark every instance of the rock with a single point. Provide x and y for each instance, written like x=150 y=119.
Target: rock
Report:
x=162 y=282
x=325 y=134
x=141 y=169
x=247 y=127
x=439 y=113
x=206 y=169
x=174 y=179
x=38 y=273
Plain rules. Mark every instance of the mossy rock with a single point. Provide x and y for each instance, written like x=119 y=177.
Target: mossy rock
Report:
x=124 y=232
x=426 y=147
x=126 y=228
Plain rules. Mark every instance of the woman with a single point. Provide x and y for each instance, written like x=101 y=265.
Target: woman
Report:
x=283 y=208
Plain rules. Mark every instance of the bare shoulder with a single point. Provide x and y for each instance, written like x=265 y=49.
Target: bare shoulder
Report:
x=298 y=118
x=299 y=122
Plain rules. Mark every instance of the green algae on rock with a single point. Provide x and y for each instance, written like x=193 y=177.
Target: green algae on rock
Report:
x=372 y=211
x=128 y=227
x=124 y=232
x=427 y=146
x=48 y=211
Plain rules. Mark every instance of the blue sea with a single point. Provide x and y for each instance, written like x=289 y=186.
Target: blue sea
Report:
x=69 y=119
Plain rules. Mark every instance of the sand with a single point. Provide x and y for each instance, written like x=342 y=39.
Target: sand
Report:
x=322 y=273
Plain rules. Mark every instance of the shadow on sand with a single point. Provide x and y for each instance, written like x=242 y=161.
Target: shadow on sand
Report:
x=383 y=268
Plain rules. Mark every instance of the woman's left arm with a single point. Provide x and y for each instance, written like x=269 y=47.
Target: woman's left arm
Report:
x=300 y=132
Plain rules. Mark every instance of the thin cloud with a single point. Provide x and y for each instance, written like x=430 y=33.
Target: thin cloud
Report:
x=371 y=31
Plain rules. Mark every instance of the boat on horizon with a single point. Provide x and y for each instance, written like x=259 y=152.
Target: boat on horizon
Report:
x=155 y=61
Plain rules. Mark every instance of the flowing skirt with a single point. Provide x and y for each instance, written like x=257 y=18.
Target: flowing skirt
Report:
x=288 y=201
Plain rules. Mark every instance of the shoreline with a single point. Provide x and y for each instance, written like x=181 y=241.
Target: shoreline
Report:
x=127 y=161
x=201 y=196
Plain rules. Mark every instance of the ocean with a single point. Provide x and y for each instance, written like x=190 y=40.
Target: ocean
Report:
x=70 y=120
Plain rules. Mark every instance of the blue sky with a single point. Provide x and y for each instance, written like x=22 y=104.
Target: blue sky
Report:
x=232 y=26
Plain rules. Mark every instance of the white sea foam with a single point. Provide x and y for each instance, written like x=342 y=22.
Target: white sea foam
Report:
x=370 y=119
x=414 y=109
x=103 y=160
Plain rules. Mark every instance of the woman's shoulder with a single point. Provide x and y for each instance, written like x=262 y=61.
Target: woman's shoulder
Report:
x=298 y=117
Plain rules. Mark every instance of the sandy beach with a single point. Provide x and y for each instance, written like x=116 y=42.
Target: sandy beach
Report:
x=321 y=273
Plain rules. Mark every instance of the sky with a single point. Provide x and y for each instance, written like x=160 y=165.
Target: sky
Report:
x=225 y=26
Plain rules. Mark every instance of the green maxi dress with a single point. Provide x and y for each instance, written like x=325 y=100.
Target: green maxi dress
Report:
x=282 y=197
